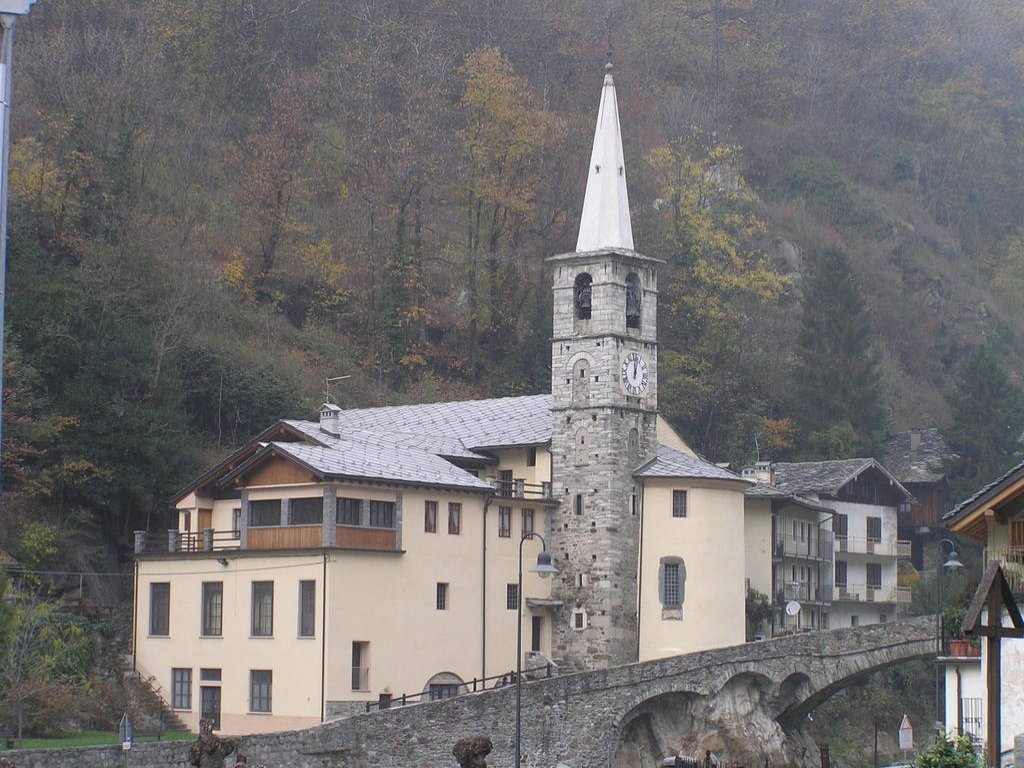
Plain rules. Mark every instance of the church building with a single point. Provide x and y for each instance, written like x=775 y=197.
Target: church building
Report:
x=372 y=557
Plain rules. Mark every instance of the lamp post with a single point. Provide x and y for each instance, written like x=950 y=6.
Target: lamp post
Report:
x=543 y=568
x=952 y=561
x=10 y=10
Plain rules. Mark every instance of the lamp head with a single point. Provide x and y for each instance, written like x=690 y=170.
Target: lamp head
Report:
x=953 y=561
x=544 y=568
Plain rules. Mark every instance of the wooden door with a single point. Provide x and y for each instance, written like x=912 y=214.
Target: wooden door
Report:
x=205 y=519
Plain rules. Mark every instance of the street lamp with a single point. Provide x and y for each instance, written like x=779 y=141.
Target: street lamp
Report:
x=543 y=568
x=10 y=10
x=952 y=561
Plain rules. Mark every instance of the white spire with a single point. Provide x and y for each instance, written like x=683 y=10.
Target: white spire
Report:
x=605 y=221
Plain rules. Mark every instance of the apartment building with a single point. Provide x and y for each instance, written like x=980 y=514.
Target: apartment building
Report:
x=834 y=545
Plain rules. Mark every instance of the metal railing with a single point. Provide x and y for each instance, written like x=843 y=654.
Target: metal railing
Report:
x=386 y=701
x=972 y=714
x=518 y=488
x=861 y=545
x=360 y=678
x=173 y=540
x=810 y=548
x=1011 y=560
x=805 y=592
x=864 y=593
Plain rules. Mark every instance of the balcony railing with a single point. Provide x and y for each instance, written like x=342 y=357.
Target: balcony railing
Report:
x=177 y=541
x=863 y=593
x=268 y=537
x=805 y=593
x=518 y=488
x=858 y=545
x=807 y=548
x=1011 y=560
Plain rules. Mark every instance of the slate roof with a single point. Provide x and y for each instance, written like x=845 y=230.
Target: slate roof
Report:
x=415 y=443
x=449 y=447
x=358 y=459
x=825 y=476
x=1000 y=482
x=922 y=464
x=492 y=423
x=769 y=491
x=672 y=463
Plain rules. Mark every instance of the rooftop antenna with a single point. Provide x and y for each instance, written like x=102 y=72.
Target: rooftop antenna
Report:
x=327 y=385
x=608 y=23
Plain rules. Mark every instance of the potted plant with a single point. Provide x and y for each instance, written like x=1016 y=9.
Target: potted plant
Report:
x=952 y=621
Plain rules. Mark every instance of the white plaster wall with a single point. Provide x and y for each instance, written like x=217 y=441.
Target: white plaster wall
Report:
x=972 y=686
x=757 y=539
x=708 y=541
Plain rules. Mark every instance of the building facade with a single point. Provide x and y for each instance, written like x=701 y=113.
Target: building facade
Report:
x=372 y=557
x=834 y=543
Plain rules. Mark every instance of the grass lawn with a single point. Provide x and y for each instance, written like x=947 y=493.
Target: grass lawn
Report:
x=94 y=738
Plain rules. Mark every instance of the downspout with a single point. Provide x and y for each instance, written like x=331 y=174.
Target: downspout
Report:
x=323 y=642
x=776 y=528
x=483 y=592
x=959 y=704
x=830 y=516
x=135 y=620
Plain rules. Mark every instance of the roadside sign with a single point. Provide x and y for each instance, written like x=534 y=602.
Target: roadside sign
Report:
x=125 y=732
x=906 y=734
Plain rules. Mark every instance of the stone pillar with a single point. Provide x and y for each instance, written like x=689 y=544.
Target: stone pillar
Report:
x=398 y=521
x=140 y=542
x=329 y=532
x=173 y=540
x=208 y=539
x=243 y=522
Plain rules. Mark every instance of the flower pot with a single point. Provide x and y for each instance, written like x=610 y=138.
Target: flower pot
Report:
x=960 y=646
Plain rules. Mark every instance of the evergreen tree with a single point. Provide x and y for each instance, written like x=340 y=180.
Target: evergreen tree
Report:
x=988 y=418
x=839 y=401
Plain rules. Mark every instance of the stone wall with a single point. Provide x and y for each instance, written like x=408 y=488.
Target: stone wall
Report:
x=161 y=754
x=580 y=719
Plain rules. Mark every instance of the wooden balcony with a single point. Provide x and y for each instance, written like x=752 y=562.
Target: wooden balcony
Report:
x=358 y=537
x=518 y=488
x=1011 y=560
x=270 y=537
x=285 y=537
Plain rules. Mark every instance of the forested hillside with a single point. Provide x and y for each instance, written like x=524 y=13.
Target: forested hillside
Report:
x=217 y=203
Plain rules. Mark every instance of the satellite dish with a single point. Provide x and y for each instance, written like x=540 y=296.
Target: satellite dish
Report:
x=792 y=608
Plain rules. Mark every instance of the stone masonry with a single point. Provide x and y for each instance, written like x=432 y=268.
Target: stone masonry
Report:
x=741 y=701
x=600 y=435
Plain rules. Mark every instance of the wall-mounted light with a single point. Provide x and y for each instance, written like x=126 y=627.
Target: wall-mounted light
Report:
x=223 y=561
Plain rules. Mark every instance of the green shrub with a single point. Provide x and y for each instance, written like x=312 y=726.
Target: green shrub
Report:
x=820 y=182
x=957 y=752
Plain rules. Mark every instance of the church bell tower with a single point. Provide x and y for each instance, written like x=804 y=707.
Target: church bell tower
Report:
x=604 y=385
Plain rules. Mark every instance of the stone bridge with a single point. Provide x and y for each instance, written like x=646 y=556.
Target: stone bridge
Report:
x=743 y=703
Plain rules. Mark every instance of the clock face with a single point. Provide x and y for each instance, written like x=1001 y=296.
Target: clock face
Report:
x=634 y=374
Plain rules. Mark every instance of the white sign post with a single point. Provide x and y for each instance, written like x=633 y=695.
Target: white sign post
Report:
x=906 y=734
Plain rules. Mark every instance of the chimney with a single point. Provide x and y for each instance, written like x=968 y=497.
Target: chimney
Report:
x=329 y=414
x=915 y=439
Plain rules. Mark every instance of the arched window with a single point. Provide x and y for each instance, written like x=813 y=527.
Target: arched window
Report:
x=633 y=299
x=444 y=685
x=581 y=295
x=581 y=381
